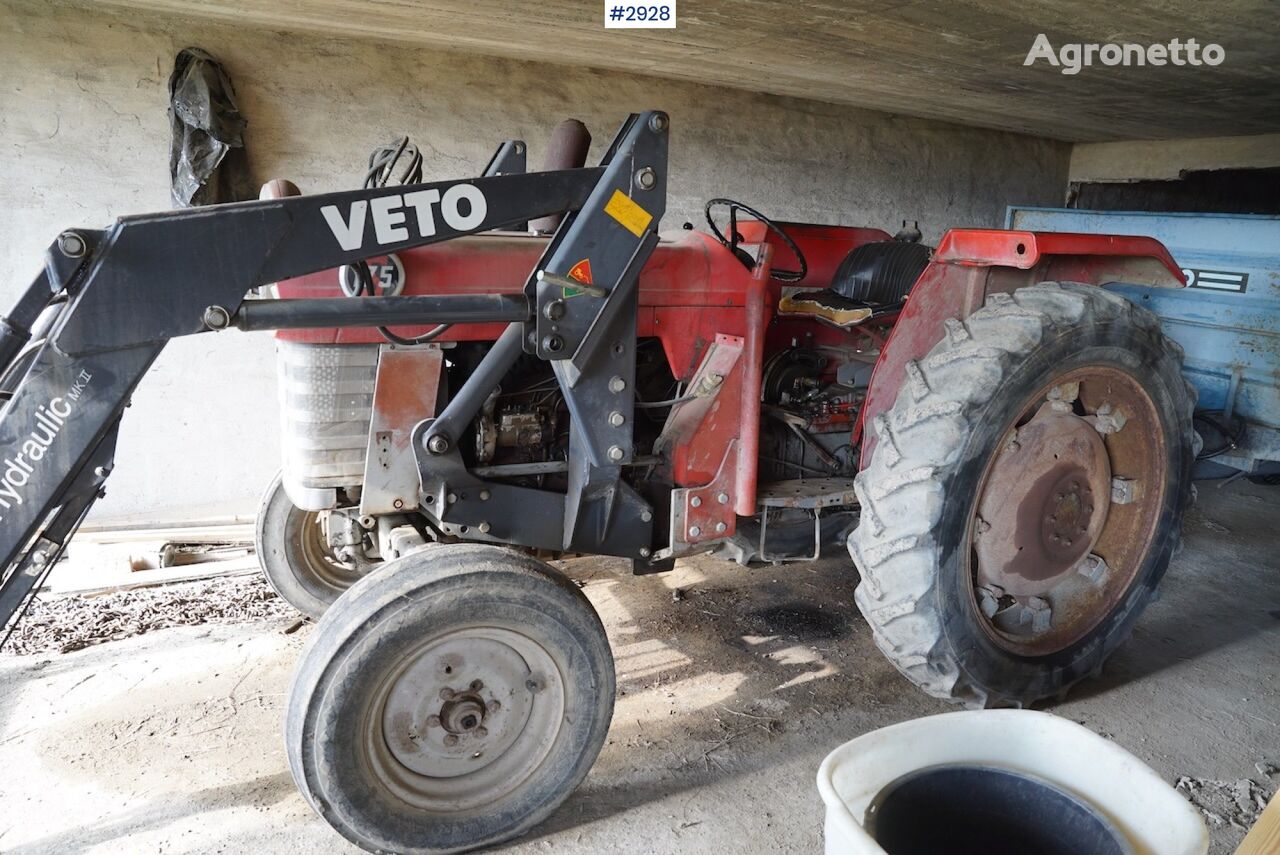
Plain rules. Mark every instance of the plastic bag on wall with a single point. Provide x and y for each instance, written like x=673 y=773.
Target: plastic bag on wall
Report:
x=207 y=159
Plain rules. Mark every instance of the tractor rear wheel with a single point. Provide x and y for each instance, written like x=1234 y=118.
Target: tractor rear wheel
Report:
x=295 y=555
x=450 y=701
x=1025 y=495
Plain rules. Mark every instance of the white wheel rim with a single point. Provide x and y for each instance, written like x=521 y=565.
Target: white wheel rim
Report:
x=465 y=719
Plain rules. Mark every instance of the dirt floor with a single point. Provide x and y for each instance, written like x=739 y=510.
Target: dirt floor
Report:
x=733 y=684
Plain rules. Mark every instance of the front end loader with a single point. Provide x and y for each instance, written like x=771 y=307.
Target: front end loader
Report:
x=1004 y=446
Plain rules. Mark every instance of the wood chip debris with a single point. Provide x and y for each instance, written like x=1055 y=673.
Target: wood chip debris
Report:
x=66 y=623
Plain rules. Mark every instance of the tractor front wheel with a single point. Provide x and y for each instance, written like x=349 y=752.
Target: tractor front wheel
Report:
x=295 y=555
x=450 y=701
x=1024 y=495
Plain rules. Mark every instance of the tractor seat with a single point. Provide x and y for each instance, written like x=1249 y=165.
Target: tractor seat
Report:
x=874 y=279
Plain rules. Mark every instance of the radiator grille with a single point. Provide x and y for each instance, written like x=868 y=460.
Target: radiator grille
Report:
x=326 y=399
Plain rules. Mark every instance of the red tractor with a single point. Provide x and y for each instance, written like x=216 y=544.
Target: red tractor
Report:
x=467 y=389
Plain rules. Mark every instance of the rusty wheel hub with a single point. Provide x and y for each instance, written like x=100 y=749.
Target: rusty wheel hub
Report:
x=1044 y=505
x=1066 y=510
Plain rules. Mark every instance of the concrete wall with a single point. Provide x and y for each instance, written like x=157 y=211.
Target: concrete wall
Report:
x=83 y=138
x=1167 y=160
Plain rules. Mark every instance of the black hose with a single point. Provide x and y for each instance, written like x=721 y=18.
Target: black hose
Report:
x=1230 y=428
x=364 y=285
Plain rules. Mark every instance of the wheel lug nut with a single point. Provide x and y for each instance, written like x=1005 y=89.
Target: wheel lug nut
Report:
x=494 y=706
x=446 y=694
x=476 y=685
x=433 y=721
x=451 y=740
x=482 y=731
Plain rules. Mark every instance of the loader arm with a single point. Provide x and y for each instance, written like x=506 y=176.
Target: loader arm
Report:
x=108 y=301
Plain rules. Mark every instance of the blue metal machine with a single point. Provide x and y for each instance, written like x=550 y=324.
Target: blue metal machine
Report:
x=1227 y=319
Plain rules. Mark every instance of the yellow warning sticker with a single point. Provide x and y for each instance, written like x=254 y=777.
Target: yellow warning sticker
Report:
x=625 y=210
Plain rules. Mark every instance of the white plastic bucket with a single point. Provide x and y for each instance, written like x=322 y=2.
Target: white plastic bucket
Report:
x=1147 y=812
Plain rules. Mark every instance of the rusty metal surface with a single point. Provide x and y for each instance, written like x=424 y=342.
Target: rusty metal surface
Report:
x=1044 y=503
x=808 y=493
x=405 y=393
x=1037 y=608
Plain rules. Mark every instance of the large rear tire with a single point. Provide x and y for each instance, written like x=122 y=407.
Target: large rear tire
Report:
x=450 y=701
x=1019 y=607
x=295 y=556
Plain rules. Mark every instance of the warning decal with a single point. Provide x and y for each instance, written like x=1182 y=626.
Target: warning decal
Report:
x=625 y=210
x=581 y=272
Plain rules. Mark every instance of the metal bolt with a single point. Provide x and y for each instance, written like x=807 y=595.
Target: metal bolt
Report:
x=217 y=318
x=644 y=552
x=695 y=531
x=616 y=453
x=438 y=443
x=39 y=558
x=658 y=122
x=646 y=178
x=645 y=516
x=721 y=528
x=482 y=731
x=451 y=498
x=446 y=694
x=722 y=498
x=1040 y=613
x=398 y=504
x=617 y=419
x=989 y=601
x=483 y=527
x=484 y=495
x=450 y=739
x=476 y=685
x=554 y=310
x=71 y=244
x=532 y=685
x=519 y=147
x=493 y=705
x=102 y=471
x=552 y=343
x=617 y=384
x=696 y=501
x=1123 y=490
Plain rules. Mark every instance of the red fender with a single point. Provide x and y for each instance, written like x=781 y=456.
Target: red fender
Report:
x=969 y=264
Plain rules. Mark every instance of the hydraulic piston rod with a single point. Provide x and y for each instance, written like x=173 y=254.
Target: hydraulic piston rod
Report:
x=379 y=311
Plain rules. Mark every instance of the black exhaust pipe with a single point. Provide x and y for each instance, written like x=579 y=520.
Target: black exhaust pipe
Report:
x=567 y=150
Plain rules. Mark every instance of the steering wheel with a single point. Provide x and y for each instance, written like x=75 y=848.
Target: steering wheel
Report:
x=735 y=238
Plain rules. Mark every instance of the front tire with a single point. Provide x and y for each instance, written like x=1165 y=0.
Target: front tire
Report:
x=452 y=700
x=1020 y=607
x=295 y=556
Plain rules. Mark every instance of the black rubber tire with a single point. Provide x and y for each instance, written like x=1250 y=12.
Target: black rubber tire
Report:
x=289 y=566
x=933 y=445
x=366 y=636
